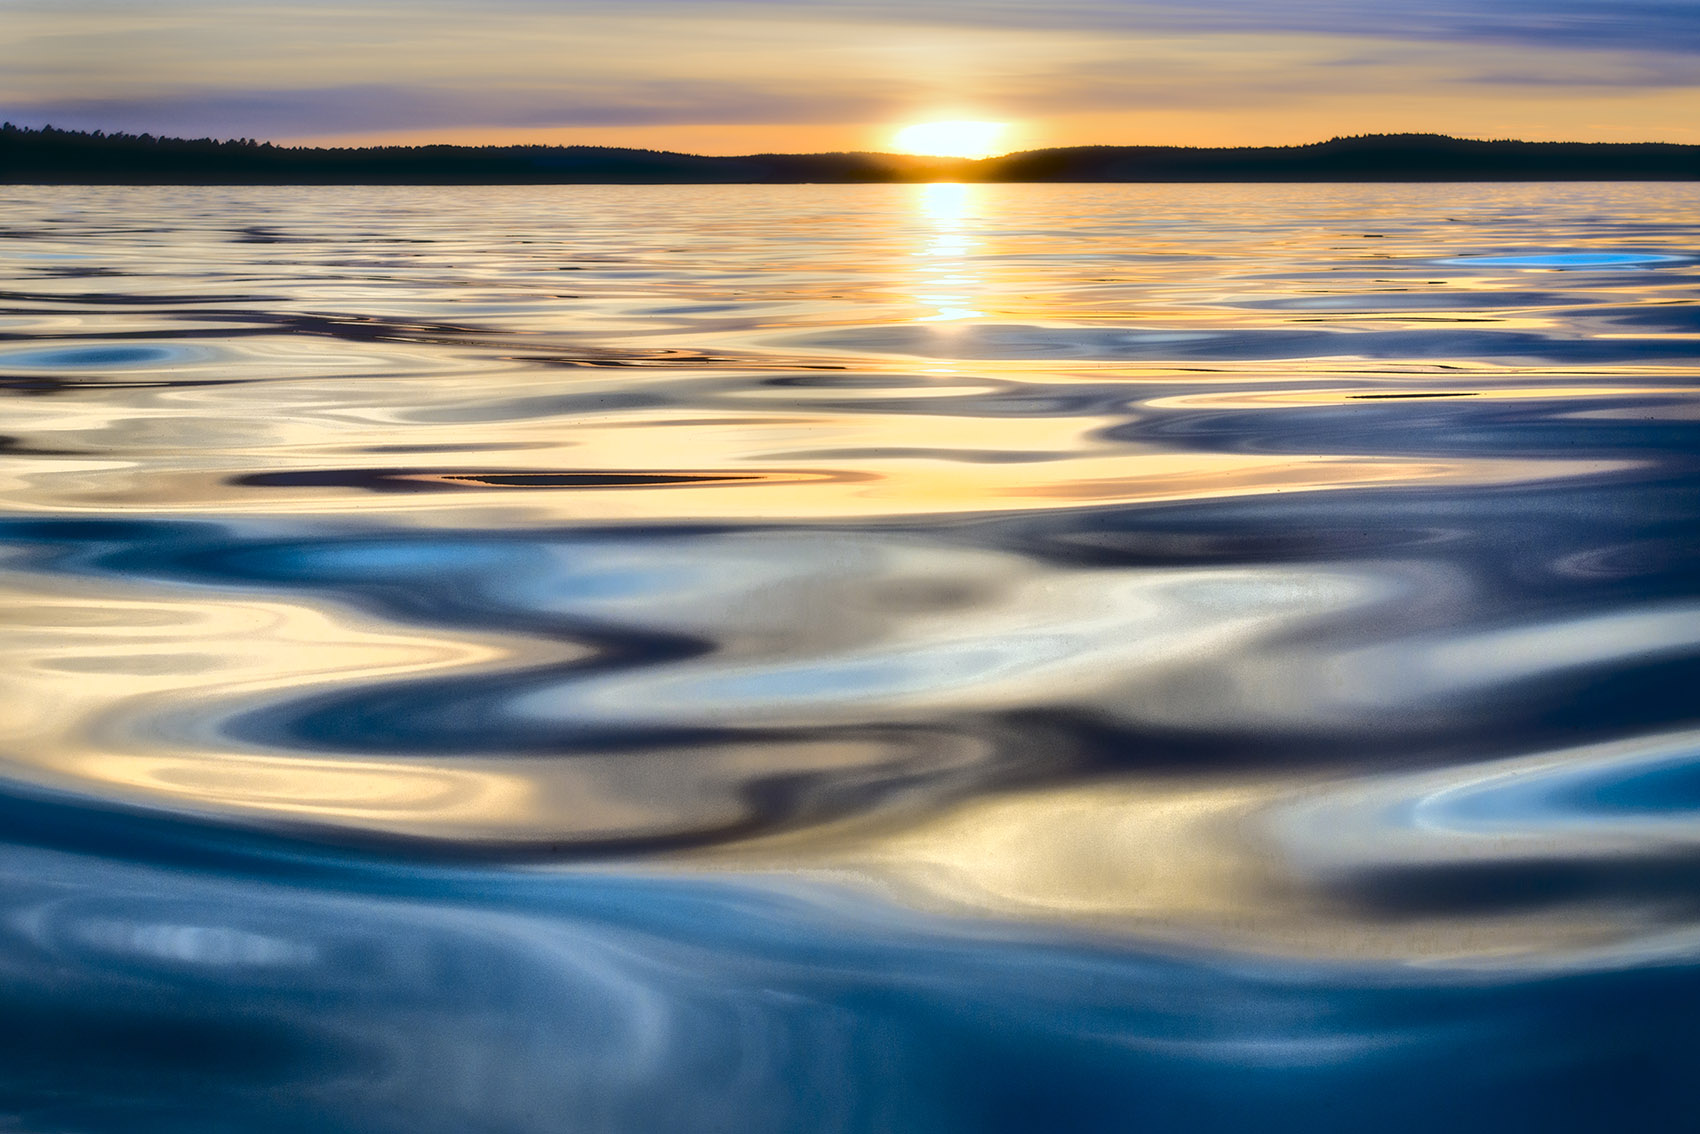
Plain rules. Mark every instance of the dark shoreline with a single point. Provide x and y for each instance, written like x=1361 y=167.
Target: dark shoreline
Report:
x=62 y=157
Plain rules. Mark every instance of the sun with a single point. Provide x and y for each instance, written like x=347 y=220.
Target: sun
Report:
x=950 y=139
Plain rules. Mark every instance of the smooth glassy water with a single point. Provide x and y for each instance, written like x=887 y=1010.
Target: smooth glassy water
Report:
x=850 y=658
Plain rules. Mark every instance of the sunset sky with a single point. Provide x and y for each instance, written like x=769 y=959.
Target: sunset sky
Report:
x=808 y=75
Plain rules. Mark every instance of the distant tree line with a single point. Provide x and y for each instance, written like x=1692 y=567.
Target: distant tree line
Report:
x=53 y=156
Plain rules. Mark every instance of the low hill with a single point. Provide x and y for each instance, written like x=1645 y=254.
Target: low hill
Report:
x=50 y=156
x=1373 y=157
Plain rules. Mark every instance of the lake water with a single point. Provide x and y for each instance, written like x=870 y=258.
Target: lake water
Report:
x=850 y=658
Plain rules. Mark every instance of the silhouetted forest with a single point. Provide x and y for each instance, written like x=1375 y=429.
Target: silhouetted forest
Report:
x=50 y=156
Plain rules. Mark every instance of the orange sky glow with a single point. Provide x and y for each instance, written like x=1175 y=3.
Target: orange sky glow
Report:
x=722 y=78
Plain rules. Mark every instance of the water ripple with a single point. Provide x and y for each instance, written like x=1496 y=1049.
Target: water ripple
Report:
x=849 y=658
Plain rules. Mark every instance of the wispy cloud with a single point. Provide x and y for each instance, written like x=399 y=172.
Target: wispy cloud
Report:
x=371 y=107
x=1663 y=26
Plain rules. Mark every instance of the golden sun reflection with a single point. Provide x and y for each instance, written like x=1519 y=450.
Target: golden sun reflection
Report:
x=945 y=279
x=945 y=202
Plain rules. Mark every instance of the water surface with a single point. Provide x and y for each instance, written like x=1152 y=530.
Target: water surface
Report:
x=850 y=658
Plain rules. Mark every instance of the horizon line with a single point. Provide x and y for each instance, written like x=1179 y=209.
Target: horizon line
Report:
x=10 y=127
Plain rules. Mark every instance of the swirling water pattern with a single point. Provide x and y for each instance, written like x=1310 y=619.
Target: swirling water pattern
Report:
x=850 y=658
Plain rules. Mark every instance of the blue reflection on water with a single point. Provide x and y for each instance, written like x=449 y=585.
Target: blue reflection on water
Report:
x=364 y=997
x=97 y=358
x=1566 y=260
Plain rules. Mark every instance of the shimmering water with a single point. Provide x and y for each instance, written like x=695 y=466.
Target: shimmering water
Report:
x=850 y=658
